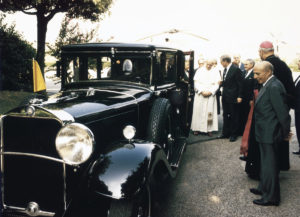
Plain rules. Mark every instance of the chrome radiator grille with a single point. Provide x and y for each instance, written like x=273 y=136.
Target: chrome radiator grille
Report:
x=30 y=135
x=28 y=178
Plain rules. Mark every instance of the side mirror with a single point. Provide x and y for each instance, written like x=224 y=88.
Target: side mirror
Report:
x=58 y=68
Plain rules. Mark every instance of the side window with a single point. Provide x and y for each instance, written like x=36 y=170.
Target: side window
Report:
x=99 y=68
x=73 y=70
x=167 y=67
x=92 y=68
x=105 y=70
x=82 y=68
x=171 y=69
x=132 y=68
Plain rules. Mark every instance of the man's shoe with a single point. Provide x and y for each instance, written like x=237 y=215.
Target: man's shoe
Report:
x=296 y=152
x=243 y=158
x=255 y=191
x=261 y=202
x=253 y=176
x=232 y=138
x=223 y=137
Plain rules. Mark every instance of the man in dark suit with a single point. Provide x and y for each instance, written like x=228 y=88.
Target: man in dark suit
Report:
x=248 y=87
x=297 y=110
x=231 y=97
x=272 y=125
x=283 y=74
x=238 y=63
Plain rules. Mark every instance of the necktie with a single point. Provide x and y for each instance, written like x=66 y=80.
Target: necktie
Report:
x=297 y=81
x=246 y=74
x=224 y=74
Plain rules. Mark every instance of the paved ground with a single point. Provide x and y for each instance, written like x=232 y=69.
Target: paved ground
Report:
x=212 y=182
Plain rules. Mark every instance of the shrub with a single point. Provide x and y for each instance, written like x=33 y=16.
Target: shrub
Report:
x=16 y=59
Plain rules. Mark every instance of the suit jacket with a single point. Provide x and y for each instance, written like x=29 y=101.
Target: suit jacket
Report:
x=248 y=85
x=232 y=85
x=297 y=84
x=272 y=119
x=284 y=74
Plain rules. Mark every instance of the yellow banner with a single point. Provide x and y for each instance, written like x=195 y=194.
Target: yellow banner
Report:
x=38 y=79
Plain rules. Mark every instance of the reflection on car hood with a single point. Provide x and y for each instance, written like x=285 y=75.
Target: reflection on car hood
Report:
x=92 y=101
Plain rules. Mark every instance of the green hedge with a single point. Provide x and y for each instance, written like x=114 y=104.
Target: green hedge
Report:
x=16 y=59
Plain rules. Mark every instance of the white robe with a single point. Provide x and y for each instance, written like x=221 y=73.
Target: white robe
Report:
x=205 y=80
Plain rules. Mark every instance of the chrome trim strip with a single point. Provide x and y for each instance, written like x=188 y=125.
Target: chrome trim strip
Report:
x=117 y=92
x=108 y=196
x=37 y=156
x=1 y=160
x=65 y=186
x=104 y=52
x=61 y=116
x=23 y=211
x=181 y=154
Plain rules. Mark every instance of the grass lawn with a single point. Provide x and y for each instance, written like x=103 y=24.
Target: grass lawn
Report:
x=11 y=99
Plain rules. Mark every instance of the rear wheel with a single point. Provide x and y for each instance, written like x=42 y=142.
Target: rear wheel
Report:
x=161 y=125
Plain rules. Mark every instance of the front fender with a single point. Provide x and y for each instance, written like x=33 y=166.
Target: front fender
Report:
x=121 y=172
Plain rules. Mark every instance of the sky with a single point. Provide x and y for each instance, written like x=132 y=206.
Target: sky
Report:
x=231 y=26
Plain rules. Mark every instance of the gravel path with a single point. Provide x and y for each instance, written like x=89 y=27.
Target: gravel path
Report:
x=212 y=182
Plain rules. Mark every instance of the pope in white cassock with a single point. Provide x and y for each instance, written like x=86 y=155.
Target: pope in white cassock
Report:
x=205 y=117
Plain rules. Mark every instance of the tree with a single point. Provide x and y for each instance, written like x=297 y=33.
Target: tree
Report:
x=16 y=64
x=70 y=33
x=44 y=10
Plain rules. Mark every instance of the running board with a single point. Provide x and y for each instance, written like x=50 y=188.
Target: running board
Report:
x=178 y=152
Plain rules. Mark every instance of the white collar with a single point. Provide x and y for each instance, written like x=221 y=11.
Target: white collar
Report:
x=248 y=73
x=227 y=67
x=268 y=80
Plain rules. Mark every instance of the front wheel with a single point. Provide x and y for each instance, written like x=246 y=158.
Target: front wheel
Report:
x=138 y=207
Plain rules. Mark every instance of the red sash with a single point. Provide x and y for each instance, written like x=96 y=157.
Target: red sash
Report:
x=245 y=139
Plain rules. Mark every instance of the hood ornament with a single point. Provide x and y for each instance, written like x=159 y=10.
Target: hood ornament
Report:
x=30 y=110
x=32 y=209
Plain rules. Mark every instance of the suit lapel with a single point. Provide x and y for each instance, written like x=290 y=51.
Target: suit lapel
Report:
x=263 y=90
x=229 y=72
x=250 y=76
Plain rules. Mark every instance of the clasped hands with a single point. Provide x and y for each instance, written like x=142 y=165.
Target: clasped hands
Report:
x=205 y=93
x=289 y=136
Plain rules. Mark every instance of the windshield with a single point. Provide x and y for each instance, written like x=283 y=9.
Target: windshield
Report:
x=122 y=68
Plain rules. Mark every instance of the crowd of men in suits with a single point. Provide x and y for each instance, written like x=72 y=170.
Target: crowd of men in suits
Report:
x=256 y=101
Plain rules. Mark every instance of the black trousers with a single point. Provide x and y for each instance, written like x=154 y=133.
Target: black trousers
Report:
x=230 y=119
x=269 y=173
x=244 y=111
x=252 y=167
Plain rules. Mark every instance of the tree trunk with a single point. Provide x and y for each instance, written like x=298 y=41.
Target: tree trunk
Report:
x=42 y=23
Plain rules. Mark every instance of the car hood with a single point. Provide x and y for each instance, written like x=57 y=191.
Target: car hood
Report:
x=95 y=101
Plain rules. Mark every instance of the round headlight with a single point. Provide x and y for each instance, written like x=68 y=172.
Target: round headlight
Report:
x=74 y=143
x=129 y=132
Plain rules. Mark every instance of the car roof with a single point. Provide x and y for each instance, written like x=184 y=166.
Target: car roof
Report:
x=106 y=46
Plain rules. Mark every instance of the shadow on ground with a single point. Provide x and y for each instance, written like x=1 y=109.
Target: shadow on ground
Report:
x=203 y=137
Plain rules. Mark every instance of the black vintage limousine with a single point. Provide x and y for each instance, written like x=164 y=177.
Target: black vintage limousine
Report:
x=104 y=144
